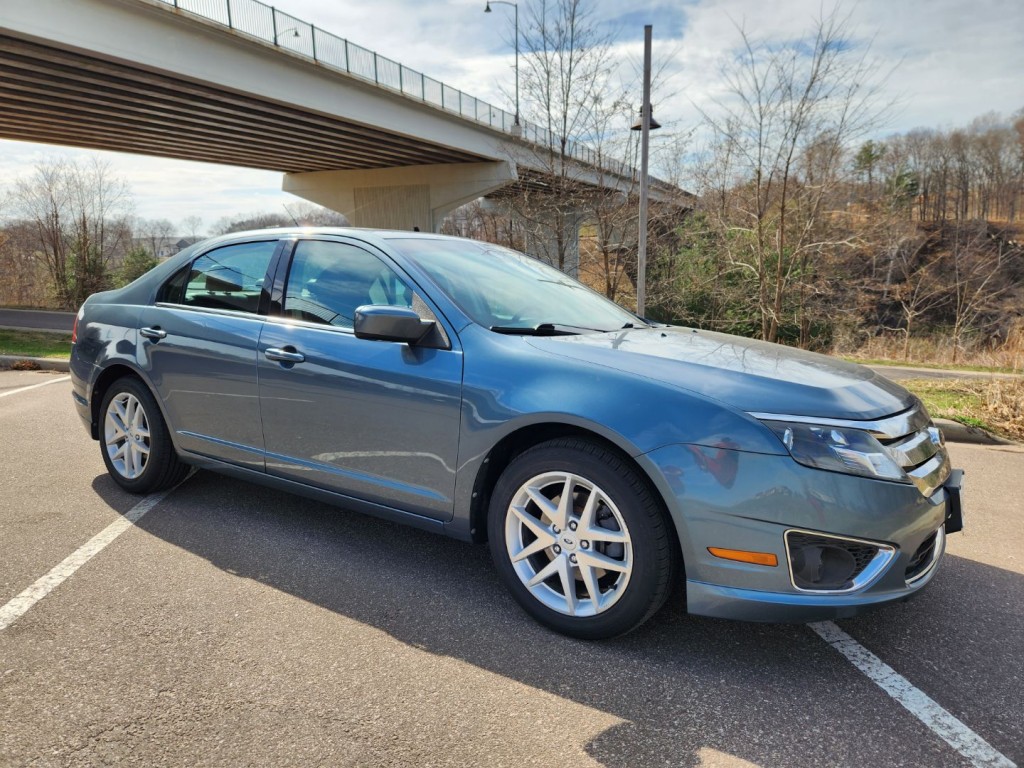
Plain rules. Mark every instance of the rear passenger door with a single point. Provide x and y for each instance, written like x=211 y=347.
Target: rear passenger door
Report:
x=198 y=346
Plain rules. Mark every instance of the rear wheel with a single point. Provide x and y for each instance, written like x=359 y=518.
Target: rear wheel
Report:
x=580 y=540
x=134 y=440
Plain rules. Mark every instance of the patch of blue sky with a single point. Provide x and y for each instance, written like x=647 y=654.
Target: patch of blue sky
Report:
x=667 y=18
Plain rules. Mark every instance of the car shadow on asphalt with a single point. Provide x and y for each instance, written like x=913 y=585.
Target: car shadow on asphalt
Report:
x=684 y=687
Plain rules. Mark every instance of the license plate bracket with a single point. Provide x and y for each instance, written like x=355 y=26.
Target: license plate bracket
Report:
x=954 y=501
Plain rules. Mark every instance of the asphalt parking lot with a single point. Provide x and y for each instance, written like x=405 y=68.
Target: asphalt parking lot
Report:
x=233 y=625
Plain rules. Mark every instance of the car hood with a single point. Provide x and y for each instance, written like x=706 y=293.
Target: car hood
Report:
x=753 y=376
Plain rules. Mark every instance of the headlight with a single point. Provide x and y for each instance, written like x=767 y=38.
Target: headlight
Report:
x=838 y=449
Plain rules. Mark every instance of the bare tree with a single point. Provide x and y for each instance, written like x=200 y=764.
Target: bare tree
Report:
x=155 y=235
x=570 y=88
x=79 y=212
x=190 y=226
x=978 y=257
x=918 y=287
x=778 y=148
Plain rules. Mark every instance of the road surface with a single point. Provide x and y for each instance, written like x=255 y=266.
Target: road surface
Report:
x=234 y=625
x=32 y=319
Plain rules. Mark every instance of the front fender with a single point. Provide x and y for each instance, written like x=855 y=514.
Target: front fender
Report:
x=636 y=414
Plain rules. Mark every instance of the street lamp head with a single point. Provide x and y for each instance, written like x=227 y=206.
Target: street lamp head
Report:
x=279 y=35
x=638 y=126
x=517 y=129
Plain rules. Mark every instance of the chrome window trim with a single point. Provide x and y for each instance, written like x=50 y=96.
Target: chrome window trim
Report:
x=210 y=310
x=889 y=428
x=296 y=322
x=871 y=573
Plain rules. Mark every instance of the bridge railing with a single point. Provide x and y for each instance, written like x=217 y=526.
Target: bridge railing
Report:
x=266 y=23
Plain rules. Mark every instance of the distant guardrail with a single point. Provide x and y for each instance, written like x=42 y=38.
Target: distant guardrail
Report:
x=269 y=25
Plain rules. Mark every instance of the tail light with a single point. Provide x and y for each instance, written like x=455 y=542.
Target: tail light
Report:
x=74 y=327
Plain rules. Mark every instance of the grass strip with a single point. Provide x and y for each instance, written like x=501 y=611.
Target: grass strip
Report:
x=930 y=366
x=34 y=343
x=995 y=406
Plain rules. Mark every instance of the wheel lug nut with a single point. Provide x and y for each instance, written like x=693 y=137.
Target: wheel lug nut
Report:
x=555 y=529
x=558 y=549
x=572 y=558
x=585 y=544
x=572 y=526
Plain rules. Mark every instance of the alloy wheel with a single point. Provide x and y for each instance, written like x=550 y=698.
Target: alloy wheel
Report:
x=568 y=544
x=126 y=435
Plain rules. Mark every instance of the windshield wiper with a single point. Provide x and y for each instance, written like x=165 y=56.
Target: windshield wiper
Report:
x=545 y=329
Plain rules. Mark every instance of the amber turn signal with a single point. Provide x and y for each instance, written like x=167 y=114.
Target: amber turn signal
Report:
x=757 y=558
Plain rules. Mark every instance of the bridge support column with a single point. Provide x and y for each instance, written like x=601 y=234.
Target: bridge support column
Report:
x=554 y=234
x=400 y=198
x=545 y=232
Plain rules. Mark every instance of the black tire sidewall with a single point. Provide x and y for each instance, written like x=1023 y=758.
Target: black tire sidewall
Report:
x=649 y=582
x=162 y=460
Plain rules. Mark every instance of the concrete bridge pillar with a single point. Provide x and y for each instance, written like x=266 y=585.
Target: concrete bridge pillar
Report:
x=545 y=232
x=400 y=198
x=554 y=233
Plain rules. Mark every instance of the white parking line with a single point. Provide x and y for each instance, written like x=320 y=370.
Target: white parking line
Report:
x=61 y=572
x=36 y=386
x=917 y=702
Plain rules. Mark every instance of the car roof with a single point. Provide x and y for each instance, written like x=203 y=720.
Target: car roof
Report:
x=385 y=234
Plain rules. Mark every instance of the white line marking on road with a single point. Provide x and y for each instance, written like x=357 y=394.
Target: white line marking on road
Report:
x=917 y=702
x=36 y=386
x=61 y=572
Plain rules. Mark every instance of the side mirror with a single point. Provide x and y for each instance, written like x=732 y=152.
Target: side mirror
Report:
x=384 y=323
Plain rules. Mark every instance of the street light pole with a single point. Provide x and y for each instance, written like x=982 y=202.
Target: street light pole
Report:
x=645 y=130
x=516 y=127
x=279 y=35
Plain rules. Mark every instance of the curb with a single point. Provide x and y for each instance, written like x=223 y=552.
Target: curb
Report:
x=956 y=432
x=34 y=330
x=40 y=363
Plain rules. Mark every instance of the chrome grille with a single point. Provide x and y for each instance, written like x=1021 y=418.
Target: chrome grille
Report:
x=917 y=446
x=909 y=437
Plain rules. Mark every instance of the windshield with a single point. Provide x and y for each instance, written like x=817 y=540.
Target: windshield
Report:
x=508 y=291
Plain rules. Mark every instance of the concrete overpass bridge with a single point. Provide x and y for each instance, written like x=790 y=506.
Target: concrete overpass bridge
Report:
x=237 y=82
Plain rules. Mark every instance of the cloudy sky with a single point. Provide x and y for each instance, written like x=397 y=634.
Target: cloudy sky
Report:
x=951 y=61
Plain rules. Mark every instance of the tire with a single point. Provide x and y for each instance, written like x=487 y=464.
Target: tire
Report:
x=134 y=440
x=614 y=541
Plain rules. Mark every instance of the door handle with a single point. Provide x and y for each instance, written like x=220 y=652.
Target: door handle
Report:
x=154 y=333
x=286 y=355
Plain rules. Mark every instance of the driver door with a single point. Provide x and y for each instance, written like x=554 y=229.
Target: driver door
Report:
x=375 y=420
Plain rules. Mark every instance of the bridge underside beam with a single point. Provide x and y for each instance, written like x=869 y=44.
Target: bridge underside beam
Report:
x=72 y=98
x=400 y=198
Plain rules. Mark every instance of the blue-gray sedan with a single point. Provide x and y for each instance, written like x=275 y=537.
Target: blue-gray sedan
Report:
x=467 y=389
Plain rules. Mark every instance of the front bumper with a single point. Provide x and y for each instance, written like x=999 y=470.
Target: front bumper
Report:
x=745 y=501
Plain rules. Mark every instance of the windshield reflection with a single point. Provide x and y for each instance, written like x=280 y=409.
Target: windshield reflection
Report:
x=508 y=291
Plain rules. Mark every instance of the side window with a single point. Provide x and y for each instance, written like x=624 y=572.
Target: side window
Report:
x=171 y=290
x=328 y=281
x=231 y=277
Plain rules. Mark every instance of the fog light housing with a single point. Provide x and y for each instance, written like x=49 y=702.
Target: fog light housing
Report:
x=822 y=563
x=823 y=567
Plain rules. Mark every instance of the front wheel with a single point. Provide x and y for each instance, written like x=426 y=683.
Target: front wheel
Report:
x=580 y=540
x=134 y=440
